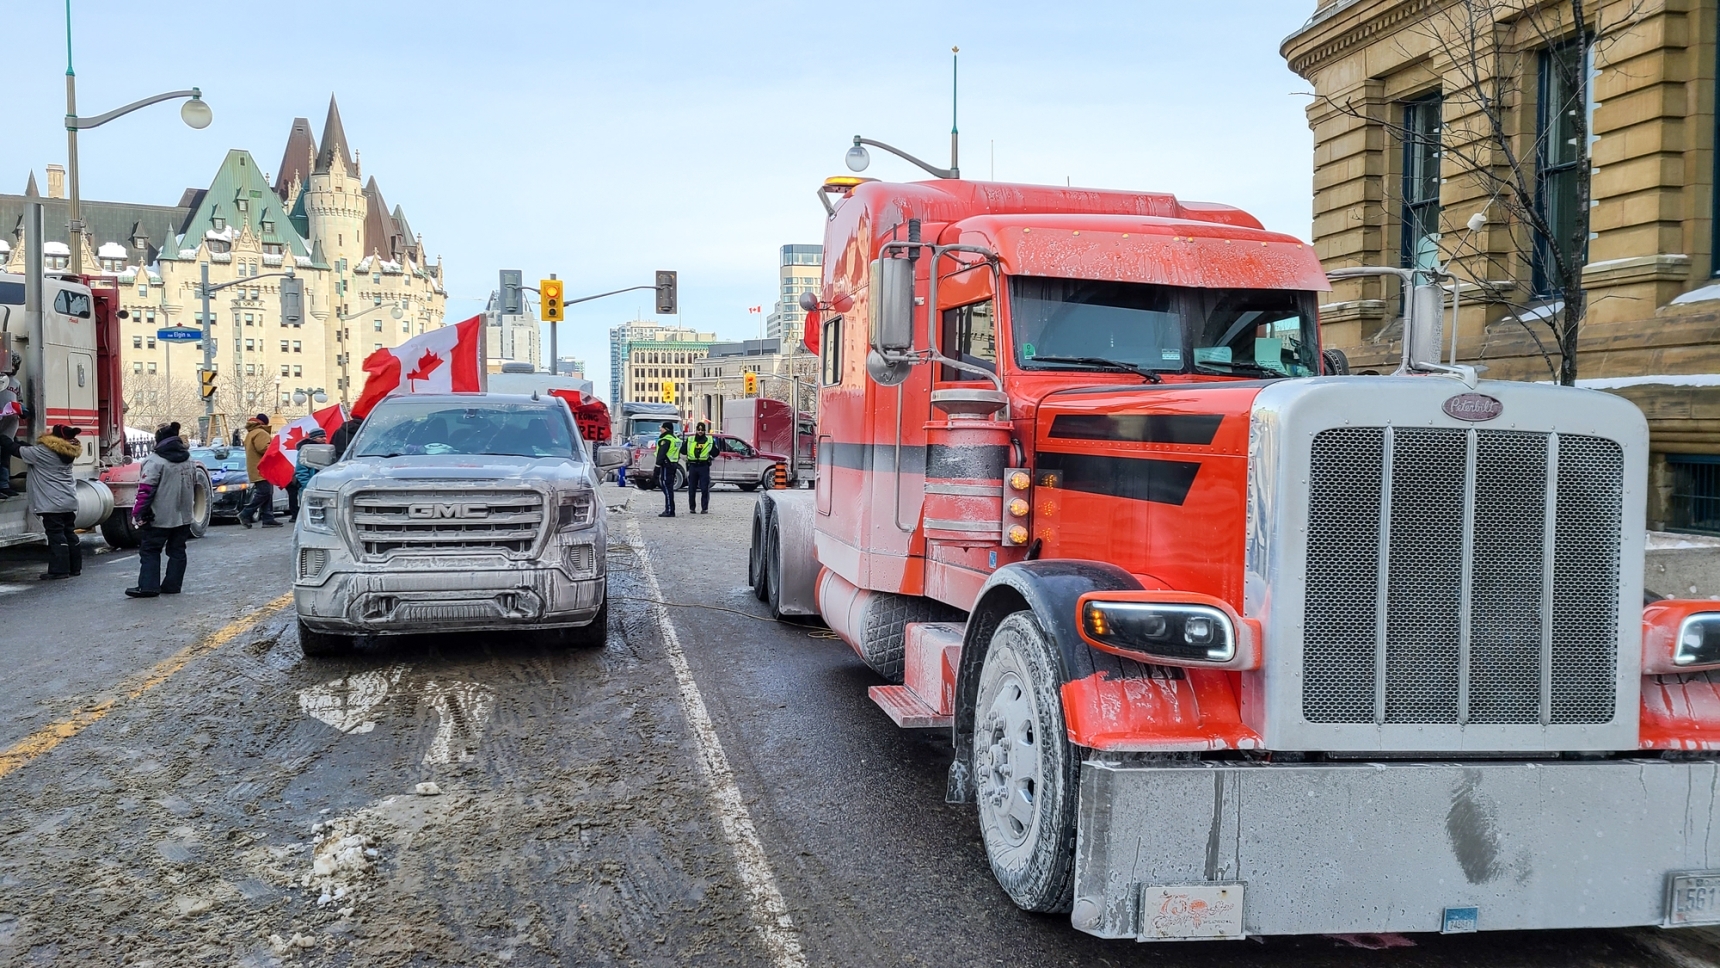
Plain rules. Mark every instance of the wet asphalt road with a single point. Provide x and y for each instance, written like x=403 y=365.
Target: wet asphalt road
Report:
x=207 y=796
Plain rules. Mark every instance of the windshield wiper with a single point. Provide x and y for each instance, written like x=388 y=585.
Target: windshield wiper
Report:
x=1141 y=371
x=1237 y=369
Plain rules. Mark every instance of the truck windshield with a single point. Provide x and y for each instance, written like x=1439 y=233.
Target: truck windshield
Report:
x=406 y=428
x=1078 y=323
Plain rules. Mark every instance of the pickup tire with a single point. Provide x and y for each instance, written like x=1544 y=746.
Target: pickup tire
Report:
x=322 y=645
x=1026 y=775
x=592 y=635
x=644 y=483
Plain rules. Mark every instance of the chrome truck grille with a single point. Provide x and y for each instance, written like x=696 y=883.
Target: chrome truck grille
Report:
x=1462 y=576
x=386 y=522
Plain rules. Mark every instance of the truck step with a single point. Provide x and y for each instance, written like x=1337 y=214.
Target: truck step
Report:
x=906 y=709
x=931 y=654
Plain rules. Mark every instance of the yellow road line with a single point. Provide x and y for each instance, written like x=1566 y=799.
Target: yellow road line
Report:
x=20 y=754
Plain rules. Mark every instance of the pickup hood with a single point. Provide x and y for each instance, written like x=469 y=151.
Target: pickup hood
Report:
x=464 y=469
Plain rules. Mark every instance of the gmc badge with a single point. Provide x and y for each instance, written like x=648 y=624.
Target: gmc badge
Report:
x=1473 y=407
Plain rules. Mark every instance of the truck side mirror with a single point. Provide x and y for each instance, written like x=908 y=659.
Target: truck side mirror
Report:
x=318 y=456
x=892 y=323
x=1424 y=329
x=609 y=458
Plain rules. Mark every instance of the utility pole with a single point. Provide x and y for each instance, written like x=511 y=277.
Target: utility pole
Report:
x=208 y=357
x=36 y=355
x=77 y=222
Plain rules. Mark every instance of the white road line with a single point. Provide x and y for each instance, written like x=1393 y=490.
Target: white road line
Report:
x=768 y=909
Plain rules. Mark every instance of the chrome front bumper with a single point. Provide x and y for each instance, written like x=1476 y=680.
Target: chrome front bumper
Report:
x=1227 y=850
x=409 y=594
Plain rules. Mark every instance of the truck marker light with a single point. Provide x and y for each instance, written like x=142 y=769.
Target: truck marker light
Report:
x=1020 y=481
x=1017 y=535
x=1018 y=508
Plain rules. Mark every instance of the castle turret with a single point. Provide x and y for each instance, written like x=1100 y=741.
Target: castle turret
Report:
x=334 y=200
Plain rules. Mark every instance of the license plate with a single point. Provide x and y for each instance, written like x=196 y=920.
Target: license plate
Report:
x=1693 y=899
x=1199 y=912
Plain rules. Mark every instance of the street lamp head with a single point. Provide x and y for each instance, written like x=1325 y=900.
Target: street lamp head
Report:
x=196 y=112
x=299 y=398
x=857 y=158
x=397 y=312
x=319 y=396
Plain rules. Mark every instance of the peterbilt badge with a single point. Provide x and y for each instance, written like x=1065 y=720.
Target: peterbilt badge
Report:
x=1473 y=407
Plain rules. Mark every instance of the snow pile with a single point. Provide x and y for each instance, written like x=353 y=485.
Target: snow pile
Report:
x=112 y=250
x=342 y=861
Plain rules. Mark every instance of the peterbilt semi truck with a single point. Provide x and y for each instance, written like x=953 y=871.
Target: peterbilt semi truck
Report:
x=1228 y=644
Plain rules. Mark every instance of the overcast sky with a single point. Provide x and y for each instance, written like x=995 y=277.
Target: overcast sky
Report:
x=602 y=141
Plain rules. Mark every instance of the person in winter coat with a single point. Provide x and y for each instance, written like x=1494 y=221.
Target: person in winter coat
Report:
x=165 y=490
x=304 y=472
x=11 y=409
x=343 y=436
x=262 y=504
x=54 y=497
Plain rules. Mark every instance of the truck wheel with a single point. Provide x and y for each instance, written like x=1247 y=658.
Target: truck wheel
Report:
x=772 y=567
x=118 y=531
x=202 y=500
x=322 y=645
x=592 y=635
x=755 y=551
x=1024 y=769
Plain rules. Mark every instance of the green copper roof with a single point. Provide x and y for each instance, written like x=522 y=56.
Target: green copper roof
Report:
x=239 y=196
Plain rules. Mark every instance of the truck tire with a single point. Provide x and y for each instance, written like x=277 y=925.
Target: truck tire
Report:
x=322 y=645
x=118 y=531
x=1025 y=772
x=755 y=551
x=592 y=635
x=644 y=483
x=202 y=500
x=773 y=570
x=884 y=628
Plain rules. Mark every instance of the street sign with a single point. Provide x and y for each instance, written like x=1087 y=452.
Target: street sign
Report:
x=179 y=334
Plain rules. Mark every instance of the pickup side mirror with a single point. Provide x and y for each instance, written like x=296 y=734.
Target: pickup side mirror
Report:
x=609 y=458
x=318 y=456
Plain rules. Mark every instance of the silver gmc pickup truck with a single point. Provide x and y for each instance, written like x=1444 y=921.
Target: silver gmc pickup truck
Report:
x=460 y=512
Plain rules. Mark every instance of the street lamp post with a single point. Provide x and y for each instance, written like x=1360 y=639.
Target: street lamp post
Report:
x=396 y=310
x=307 y=395
x=205 y=290
x=195 y=113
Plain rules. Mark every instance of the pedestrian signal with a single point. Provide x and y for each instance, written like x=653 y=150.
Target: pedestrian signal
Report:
x=208 y=378
x=749 y=383
x=668 y=391
x=549 y=302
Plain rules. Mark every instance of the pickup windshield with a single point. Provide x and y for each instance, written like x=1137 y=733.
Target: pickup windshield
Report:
x=1241 y=332
x=406 y=428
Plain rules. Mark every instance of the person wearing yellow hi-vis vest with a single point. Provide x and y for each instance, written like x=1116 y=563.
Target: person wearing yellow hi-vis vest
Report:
x=668 y=456
x=699 y=451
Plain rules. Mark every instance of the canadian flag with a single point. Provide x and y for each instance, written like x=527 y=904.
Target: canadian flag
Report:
x=589 y=412
x=275 y=464
x=755 y=309
x=443 y=360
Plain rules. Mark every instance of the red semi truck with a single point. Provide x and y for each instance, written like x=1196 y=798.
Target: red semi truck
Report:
x=1228 y=645
x=772 y=427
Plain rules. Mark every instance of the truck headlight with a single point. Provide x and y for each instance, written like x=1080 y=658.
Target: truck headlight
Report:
x=575 y=510
x=319 y=511
x=1169 y=628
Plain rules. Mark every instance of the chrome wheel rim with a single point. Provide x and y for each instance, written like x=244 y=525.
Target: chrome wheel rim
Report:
x=1008 y=765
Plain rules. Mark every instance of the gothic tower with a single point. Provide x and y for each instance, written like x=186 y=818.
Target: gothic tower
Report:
x=334 y=200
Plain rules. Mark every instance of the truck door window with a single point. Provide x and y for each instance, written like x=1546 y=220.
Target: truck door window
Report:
x=69 y=303
x=1255 y=330
x=830 y=351
x=1132 y=323
x=970 y=335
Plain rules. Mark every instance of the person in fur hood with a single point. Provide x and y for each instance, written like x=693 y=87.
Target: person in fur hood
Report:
x=54 y=497
x=165 y=491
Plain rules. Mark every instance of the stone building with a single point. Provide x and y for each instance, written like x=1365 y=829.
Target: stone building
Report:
x=650 y=355
x=1394 y=129
x=720 y=377
x=368 y=283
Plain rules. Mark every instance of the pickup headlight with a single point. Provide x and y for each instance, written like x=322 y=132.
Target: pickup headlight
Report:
x=319 y=511
x=575 y=510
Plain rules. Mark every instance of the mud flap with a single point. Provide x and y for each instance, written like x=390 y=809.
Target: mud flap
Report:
x=1360 y=848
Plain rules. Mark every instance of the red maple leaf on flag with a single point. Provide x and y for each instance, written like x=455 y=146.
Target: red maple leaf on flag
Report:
x=295 y=435
x=427 y=364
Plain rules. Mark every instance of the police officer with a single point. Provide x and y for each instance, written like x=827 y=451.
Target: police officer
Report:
x=699 y=451
x=668 y=455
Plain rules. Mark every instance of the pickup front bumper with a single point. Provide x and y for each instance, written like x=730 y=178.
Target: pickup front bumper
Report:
x=410 y=594
x=1226 y=850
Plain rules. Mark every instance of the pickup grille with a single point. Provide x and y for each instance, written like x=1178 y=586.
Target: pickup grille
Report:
x=1461 y=576
x=389 y=522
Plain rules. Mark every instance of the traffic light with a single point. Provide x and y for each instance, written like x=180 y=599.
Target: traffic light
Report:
x=510 y=283
x=292 y=302
x=749 y=383
x=549 y=302
x=668 y=391
x=666 y=297
x=208 y=378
